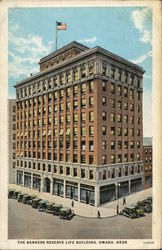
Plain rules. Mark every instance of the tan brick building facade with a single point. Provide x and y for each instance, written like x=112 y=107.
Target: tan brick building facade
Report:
x=11 y=140
x=147 y=165
x=79 y=126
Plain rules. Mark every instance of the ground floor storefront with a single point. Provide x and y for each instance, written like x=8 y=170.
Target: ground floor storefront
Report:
x=93 y=194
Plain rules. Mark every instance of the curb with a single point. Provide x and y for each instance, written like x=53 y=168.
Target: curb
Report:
x=96 y=217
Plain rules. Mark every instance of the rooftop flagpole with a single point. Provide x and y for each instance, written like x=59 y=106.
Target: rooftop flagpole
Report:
x=56 y=35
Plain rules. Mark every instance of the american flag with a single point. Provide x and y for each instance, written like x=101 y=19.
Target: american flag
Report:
x=61 y=26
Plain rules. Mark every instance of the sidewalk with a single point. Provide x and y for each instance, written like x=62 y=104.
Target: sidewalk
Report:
x=84 y=210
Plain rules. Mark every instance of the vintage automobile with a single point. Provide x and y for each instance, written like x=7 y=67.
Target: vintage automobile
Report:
x=66 y=213
x=56 y=209
x=145 y=205
x=130 y=212
x=139 y=210
x=49 y=206
x=26 y=198
x=20 y=197
x=42 y=206
x=15 y=194
x=149 y=198
x=30 y=201
x=35 y=202
x=10 y=193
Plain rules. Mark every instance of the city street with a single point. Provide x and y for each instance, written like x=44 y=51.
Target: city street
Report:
x=24 y=222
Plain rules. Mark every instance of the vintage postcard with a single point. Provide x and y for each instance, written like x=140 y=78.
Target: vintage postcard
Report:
x=80 y=125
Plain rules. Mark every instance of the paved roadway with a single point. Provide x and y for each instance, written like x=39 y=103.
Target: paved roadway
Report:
x=24 y=222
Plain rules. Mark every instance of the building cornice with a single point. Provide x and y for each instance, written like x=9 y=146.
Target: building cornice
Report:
x=113 y=59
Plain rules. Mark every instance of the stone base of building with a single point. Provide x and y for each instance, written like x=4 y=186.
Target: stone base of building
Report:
x=94 y=193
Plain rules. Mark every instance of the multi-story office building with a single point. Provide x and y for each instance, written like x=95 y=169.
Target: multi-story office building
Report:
x=79 y=126
x=11 y=140
x=147 y=163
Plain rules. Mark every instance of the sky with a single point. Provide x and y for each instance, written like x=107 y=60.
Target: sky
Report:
x=125 y=31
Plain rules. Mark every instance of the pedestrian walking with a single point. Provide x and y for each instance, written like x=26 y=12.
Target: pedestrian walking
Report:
x=117 y=209
x=98 y=214
x=124 y=201
x=72 y=203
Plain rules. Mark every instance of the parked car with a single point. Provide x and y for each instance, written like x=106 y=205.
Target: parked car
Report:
x=20 y=197
x=30 y=201
x=66 y=213
x=26 y=198
x=10 y=193
x=149 y=198
x=35 y=203
x=130 y=212
x=42 y=206
x=139 y=210
x=49 y=206
x=56 y=209
x=15 y=194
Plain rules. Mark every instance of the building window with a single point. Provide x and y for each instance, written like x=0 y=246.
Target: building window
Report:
x=91 y=159
x=91 y=86
x=126 y=171
x=112 y=145
x=49 y=167
x=75 y=144
x=119 y=158
x=75 y=158
x=83 y=116
x=83 y=71
x=112 y=130
x=125 y=118
x=91 y=146
x=75 y=104
x=125 y=106
x=132 y=144
x=112 y=159
x=104 y=101
x=104 y=86
x=91 y=101
x=76 y=74
x=104 y=117
x=83 y=88
x=112 y=88
x=138 y=132
x=119 y=131
x=44 y=167
x=126 y=158
x=103 y=130
x=67 y=170
x=119 y=118
x=83 y=131
x=69 y=78
x=83 y=159
x=68 y=106
x=75 y=89
x=112 y=72
x=83 y=145
x=119 y=144
x=75 y=131
x=103 y=145
x=68 y=118
x=138 y=157
x=83 y=102
x=82 y=173
x=112 y=103
x=91 y=174
x=138 y=144
x=104 y=160
x=125 y=132
x=91 y=116
x=125 y=92
x=119 y=90
x=74 y=172
x=120 y=105
x=68 y=92
x=91 y=130
x=75 y=117
x=61 y=170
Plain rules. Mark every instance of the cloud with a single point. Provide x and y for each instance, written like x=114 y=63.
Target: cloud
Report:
x=88 y=40
x=147 y=76
x=25 y=51
x=141 y=58
x=139 y=18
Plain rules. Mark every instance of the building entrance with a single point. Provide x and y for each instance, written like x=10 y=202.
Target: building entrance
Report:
x=58 y=187
x=87 y=194
x=72 y=190
x=47 y=185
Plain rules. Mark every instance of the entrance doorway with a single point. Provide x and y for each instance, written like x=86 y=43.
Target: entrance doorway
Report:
x=47 y=185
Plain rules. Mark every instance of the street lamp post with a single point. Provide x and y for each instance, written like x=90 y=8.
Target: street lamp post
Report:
x=117 y=187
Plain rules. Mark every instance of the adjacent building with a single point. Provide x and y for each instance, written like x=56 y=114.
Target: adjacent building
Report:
x=79 y=126
x=11 y=140
x=147 y=163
